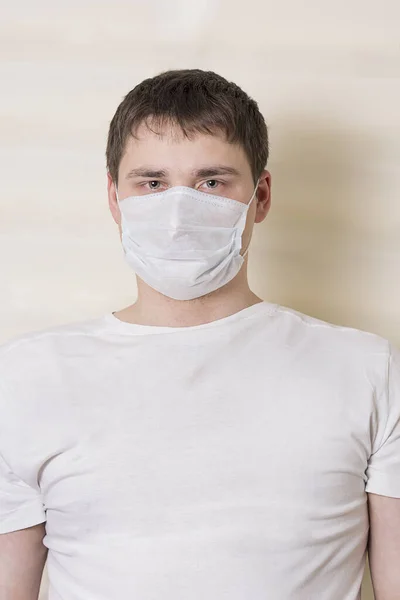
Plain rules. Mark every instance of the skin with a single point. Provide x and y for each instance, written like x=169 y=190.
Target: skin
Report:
x=384 y=546
x=22 y=559
x=180 y=158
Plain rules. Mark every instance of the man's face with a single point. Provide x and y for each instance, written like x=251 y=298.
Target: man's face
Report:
x=153 y=162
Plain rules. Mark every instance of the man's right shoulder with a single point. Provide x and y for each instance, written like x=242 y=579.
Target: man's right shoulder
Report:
x=53 y=339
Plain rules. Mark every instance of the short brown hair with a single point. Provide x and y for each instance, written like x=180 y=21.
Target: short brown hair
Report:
x=197 y=101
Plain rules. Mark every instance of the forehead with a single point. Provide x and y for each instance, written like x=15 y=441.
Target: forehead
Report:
x=169 y=147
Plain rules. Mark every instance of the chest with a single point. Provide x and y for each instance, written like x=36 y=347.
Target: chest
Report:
x=205 y=446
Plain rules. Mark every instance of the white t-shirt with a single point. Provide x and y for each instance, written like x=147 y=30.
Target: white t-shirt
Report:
x=225 y=460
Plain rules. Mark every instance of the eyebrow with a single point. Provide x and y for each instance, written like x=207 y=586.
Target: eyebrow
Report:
x=210 y=171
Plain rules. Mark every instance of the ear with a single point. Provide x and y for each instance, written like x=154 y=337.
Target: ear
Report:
x=263 y=195
x=112 y=200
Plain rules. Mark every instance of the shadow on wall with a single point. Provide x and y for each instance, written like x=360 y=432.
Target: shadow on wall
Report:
x=317 y=245
x=315 y=237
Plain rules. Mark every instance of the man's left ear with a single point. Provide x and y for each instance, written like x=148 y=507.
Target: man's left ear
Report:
x=263 y=195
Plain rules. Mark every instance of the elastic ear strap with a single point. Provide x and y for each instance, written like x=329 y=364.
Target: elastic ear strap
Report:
x=254 y=193
x=251 y=200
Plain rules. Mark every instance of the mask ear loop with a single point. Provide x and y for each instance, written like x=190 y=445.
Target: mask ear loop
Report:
x=118 y=203
x=247 y=211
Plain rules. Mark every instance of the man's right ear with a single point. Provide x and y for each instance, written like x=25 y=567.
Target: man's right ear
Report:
x=112 y=199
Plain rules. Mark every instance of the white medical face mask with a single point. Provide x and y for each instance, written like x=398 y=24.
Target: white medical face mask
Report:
x=182 y=242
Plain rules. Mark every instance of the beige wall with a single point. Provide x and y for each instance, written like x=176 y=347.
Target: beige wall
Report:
x=327 y=77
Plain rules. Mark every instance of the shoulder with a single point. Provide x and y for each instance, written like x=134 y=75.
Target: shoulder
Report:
x=346 y=352
x=330 y=337
x=350 y=358
x=35 y=346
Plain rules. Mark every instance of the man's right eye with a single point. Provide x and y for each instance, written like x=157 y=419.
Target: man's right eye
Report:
x=154 y=185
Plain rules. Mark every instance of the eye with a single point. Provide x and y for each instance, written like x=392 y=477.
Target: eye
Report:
x=212 y=184
x=154 y=185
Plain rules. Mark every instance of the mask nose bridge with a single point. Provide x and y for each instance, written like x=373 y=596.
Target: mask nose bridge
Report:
x=175 y=208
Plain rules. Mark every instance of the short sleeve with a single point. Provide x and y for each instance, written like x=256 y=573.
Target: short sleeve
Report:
x=21 y=500
x=383 y=472
x=21 y=505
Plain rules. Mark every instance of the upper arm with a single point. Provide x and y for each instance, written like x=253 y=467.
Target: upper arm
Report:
x=22 y=552
x=22 y=559
x=384 y=546
x=22 y=510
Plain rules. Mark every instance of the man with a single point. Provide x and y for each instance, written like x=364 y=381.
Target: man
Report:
x=201 y=443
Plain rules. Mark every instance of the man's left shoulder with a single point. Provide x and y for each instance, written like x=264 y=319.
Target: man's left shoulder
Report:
x=332 y=337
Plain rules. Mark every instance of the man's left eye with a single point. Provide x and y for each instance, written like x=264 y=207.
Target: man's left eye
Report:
x=154 y=185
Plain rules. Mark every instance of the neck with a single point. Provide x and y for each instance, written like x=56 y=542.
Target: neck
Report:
x=153 y=308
